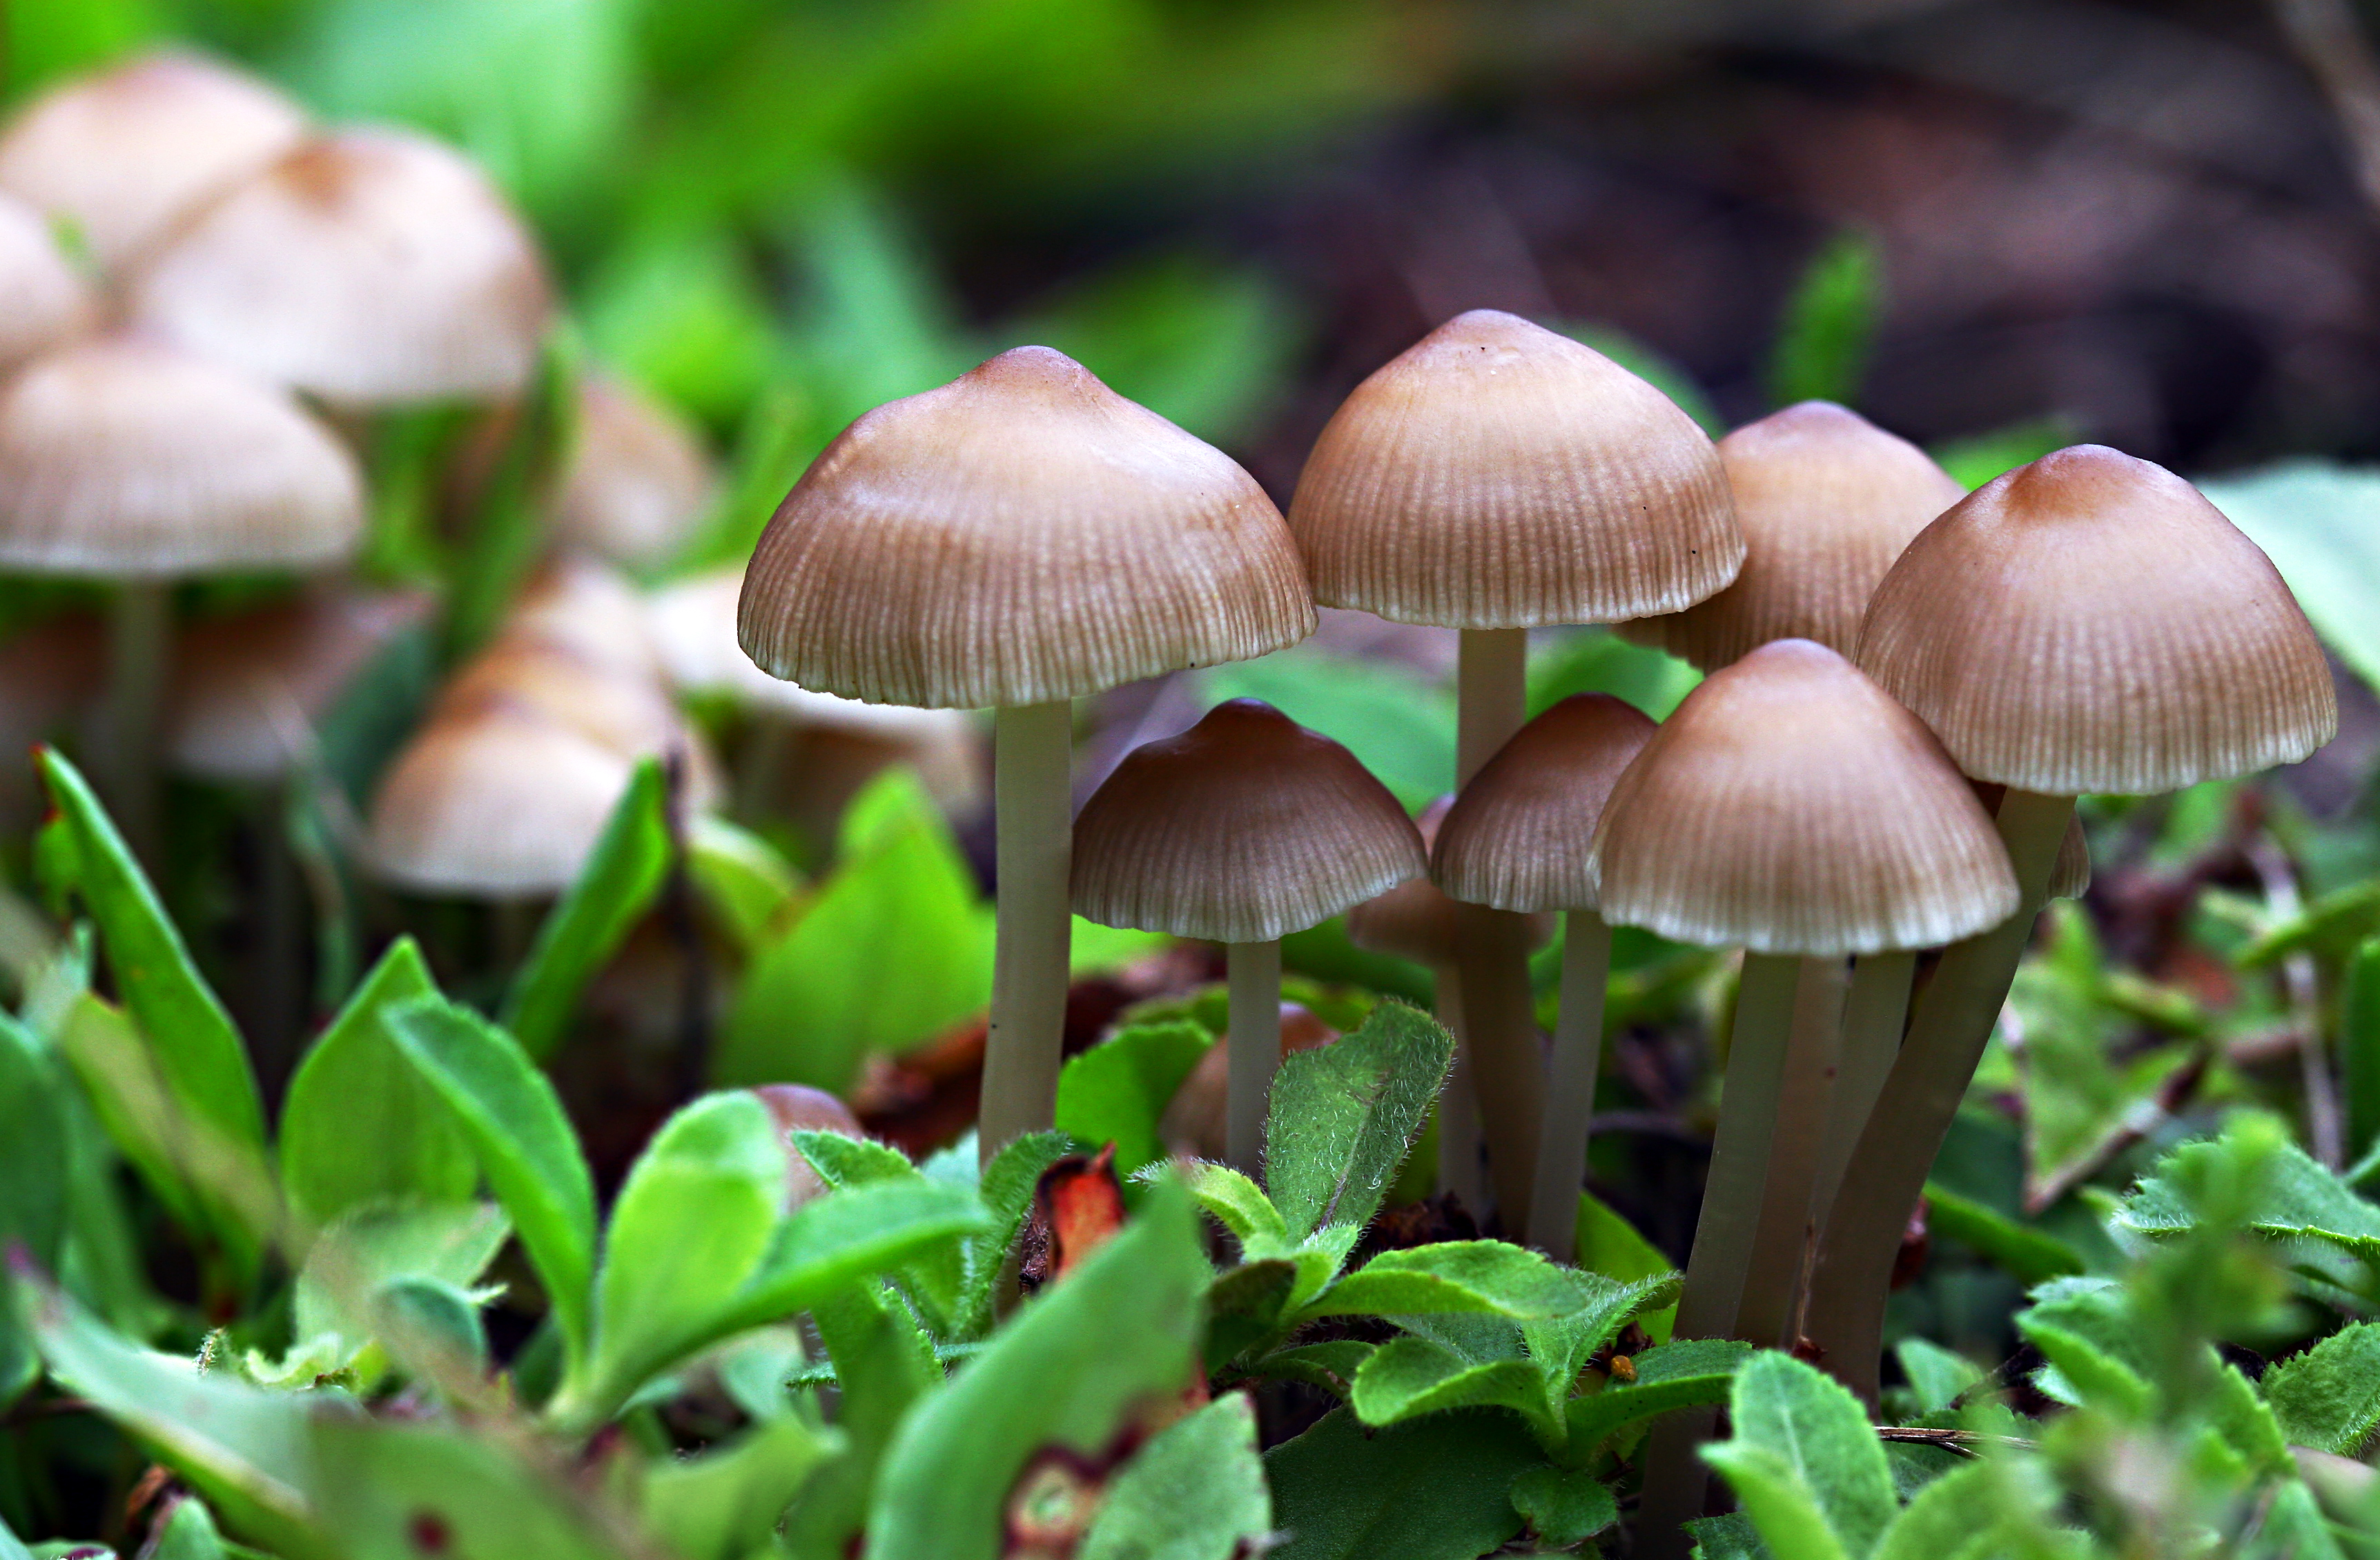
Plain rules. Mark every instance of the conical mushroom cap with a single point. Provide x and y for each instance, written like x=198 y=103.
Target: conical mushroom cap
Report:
x=2070 y=871
x=636 y=479
x=1417 y=919
x=368 y=267
x=43 y=298
x=497 y=804
x=127 y=154
x=126 y=459
x=1023 y=534
x=1791 y=807
x=2090 y=623
x=250 y=686
x=1827 y=500
x=1516 y=838
x=1499 y=476
x=582 y=606
x=1245 y=828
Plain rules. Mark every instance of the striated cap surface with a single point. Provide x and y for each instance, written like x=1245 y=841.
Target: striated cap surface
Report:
x=127 y=154
x=1020 y=534
x=1499 y=476
x=2090 y=623
x=126 y=459
x=1791 y=807
x=1245 y=828
x=368 y=267
x=1827 y=500
x=1517 y=837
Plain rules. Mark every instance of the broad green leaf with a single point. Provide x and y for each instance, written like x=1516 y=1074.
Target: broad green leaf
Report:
x=741 y=876
x=1958 y=1517
x=1822 y=343
x=1343 y=1114
x=675 y=307
x=524 y=1144
x=1610 y=1245
x=1093 y=949
x=197 y=1053
x=360 y=1123
x=724 y=1504
x=385 y=1484
x=1936 y=1376
x=2328 y=1398
x=1457 y=1275
x=1197 y=1491
x=843 y=1238
x=1116 y=1091
x=1804 y=1461
x=2297 y=1201
x=843 y=1161
x=613 y=890
x=2246 y=1423
x=893 y=948
x=1685 y=1374
x=2085 y=1329
x=2294 y=1528
x=883 y=1364
x=1398 y=722
x=1732 y=1537
x=1240 y=1206
x=2031 y=1255
x=1007 y=1192
x=1564 y=1506
x=936 y=1280
x=35 y=1186
x=1435 y=1489
x=187 y=1533
x=1120 y=1329
x=692 y=1224
x=1562 y=1345
x=1408 y=1377
x=2314 y=520
x=373 y=1245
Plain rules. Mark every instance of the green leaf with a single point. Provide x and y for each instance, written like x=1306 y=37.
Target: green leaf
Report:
x=1435 y=1489
x=692 y=1224
x=1398 y=722
x=2359 y=1049
x=1331 y=1365
x=1804 y=1461
x=936 y=1279
x=894 y=947
x=1007 y=1190
x=1343 y=1114
x=1732 y=1537
x=724 y=1504
x=614 y=889
x=1686 y=1375
x=2297 y=1199
x=1610 y=1245
x=383 y=1484
x=34 y=1180
x=187 y=1533
x=524 y=1144
x=1822 y=344
x=883 y=1364
x=843 y=1161
x=1408 y=1377
x=2328 y=1398
x=1564 y=1506
x=1457 y=1275
x=1116 y=1091
x=1240 y=1206
x=375 y=1246
x=741 y=876
x=2246 y=1423
x=1936 y=1376
x=1562 y=1345
x=1974 y=460
x=1120 y=1329
x=1197 y=1491
x=2314 y=520
x=1958 y=1517
x=360 y=1123
x=839 y=1240
x=198 y=1055
x=2293 y=1529
x=2085 y=1329
x=2032 y=1256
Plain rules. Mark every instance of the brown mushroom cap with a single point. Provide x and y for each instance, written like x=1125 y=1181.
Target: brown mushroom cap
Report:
x=127 y=154
x=368 y=267
x=1499 y=476
x=797 y=1107
x=1243 y=829
x=1827 y=500
x=1790 y=807
x=1516 y=837
x=1020 y=534
x=126 y=459
x=2070 y=871
x=250 y=686
x=44 y=299
x=636 y=479
x=2090 y=623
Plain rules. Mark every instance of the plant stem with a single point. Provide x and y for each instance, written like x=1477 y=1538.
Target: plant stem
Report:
x=1873 y=1014
x=1772 y=1284
x=1492 y=947
x=1032 y=755
x=1674 y=1474
x=1458 y=1105
x=1255 y=1040
x=1569 y=1089
x=1948 y=1026
x=141 y=628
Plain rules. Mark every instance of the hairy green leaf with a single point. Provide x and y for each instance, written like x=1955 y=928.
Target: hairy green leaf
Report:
x=1457 y=1275
x=1564 y=1506
x=1435 y=1489
x=1116 y=1091
x=883 y=1364
x=2328 y=1398
x=1610 y=1245
x=1689 y=1374
x=1804 y=1461
x=1343 y=1114
x=1197 y=1491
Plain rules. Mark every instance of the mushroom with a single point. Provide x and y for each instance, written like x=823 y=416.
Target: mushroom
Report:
x=797 y=1107
x=1245 y=828
x=1790 y=806
x=368 y=267
x=1016 y=537
x=1516 y=839
x=1495 y=477
x=2087 y=622
x=44 y=299
x=128 y=154
x=637 y=479
x=248 y=688
x=131 y=462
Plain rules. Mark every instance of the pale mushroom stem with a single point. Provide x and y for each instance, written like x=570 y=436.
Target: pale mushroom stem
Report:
x=1716 y=1268
x=140 y=627
x=1492 y=947
x=1457 y=1103
x=1948 y=1027
x=1033 y=753
x=1772 y=1284
x=1254 y=972
x=1874 y=1015
x=1569 y=1089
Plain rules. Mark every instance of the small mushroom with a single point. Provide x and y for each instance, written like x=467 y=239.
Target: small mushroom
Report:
x=1243 y=829
x=248 y=688
x=637 y=479
x=44 y=299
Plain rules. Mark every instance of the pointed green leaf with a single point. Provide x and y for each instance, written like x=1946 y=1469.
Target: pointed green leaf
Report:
x=1116 y=1091
x=724 y=1504
x=1407 y=1378
x=1804 y=1461
x=2328 y=1398
x=187 y=1533
x=742 y=877
x=1007 y=1192
x=1457 y=1275
x=1344 y=1115
x=1239 y=1205
x=1936 y=1376
x=1958 y=1517
x=35 y=1185
x=2084 y=1328
x=392 y=1489
x=846 y=1237
x=375 y=1246
x=883 y=1364
x=2297 y=1199
x=1435 y=1489
x=1564 y=1506
x=1610 y=1245
x=1686 y=1375
x=612 y=892
x=1197 y=1491
x=2031 y=1255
